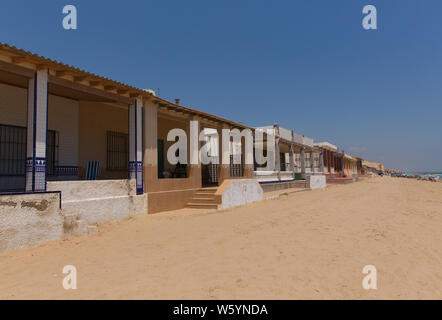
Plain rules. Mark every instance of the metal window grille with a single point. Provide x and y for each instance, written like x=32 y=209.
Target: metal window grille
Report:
x=13 y=141
x=117 y=151
x=236 y=170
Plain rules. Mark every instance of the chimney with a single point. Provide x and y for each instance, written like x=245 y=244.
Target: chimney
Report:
x=177 y=101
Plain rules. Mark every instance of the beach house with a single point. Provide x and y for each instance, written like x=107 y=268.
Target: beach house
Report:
x=77 y=148
x=296 y=159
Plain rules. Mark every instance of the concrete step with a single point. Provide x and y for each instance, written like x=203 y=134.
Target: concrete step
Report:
x=207 y=190
x=206 y=195
x=203 y=200
x=202 y=205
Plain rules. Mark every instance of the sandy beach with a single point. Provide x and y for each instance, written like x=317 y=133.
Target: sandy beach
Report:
x=306 y=245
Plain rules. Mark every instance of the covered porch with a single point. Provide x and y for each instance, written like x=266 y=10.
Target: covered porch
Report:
x=67 y=131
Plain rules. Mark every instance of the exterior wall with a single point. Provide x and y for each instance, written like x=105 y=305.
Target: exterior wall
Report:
x=239 y=192
x=62 y=117
x=100 y=200
x=95 y=119
x=272 y=176
x=316 y=181
x=164 y=126
x=269 y=187
x=29 y=219
x=168 y=200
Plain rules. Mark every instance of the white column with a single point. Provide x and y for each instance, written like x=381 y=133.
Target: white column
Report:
x=136 y=143
x=321 y=160
x=277 y=154
x=312 y=161
x=302 y=162
x=291 y=155
x=37 y=132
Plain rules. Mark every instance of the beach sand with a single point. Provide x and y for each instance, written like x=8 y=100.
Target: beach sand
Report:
x=306 y=245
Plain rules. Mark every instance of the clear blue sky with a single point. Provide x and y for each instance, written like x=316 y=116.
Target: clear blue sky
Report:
x=308 y=65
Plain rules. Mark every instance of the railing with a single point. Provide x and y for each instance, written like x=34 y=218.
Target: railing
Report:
x=66 y=171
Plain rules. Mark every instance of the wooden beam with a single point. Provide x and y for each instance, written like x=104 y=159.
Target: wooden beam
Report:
x=18 y=59
x=88 y=90
x=61 y=73
x=134 y=94
x=94 y=83
x=17 y=70
x=109 y=87
x=122 y=91
x=80 y=78
x=41 y=67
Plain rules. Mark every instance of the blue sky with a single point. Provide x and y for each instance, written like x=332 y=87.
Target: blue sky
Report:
x=308 y=65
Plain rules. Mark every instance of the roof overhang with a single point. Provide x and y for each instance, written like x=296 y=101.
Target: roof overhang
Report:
x=326 y=146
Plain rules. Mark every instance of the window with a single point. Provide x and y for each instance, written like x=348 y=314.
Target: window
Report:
x=117 y=151
x=13 y=141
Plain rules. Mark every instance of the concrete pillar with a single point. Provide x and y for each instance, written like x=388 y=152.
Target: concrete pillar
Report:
x=150 y=161
x=321 y=161
x=136 y=143
x=302 y=162
x=37 y=124
x=342 y=163
x=195 y=161
x=292 y=156
x=224 y=168
x=277 y=154
x=312 y=161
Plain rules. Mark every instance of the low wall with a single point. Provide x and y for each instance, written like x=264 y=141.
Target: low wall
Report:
x=29 y=219
x=316 y=181
x=100 y=200
x=238 y=192
x=168 y=200
x=269 y=187
x=272 y=176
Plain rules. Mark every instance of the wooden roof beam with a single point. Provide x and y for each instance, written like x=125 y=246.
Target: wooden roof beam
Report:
x=80 y=78
x=61 y=73
x=109 y=87
x=18 y=59
x=122 y=91
x=94 y=83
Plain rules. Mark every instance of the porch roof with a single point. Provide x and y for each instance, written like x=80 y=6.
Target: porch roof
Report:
x=64 y=75
x=285 y=136
x=326 y=145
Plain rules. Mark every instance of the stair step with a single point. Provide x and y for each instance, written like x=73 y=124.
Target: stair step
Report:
x=202 y=205
x=203 y=195
x=207 y=190
x=199 y=200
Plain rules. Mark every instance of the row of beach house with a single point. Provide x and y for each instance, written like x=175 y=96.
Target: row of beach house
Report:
x=77 y=149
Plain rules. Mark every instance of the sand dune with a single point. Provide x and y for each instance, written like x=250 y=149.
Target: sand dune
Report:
x=308 y=245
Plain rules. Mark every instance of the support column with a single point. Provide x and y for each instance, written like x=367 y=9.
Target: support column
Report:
x=312 y=161
x=37 y=124
x=302 y=155
x=321 y=161
x=150 y=157
x=224 y=167
x=195 y=173
x=277 y=154
x=342 y=163
x=291 y=156
x=136 y=143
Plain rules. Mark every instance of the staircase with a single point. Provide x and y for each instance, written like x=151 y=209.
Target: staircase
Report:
x=205 y=198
